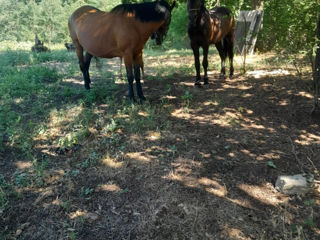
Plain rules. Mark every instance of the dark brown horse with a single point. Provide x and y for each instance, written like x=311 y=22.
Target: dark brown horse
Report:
x=122 y=32
x=210 y=27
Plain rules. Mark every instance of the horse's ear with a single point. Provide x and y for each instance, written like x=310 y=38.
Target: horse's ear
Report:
x=172 y=5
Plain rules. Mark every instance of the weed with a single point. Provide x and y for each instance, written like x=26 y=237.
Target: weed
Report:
x=6 y=190
x=72 y=236
x=22 y=179
x=309 y=222
x=39 y=168
x=168 y=89
x=89 y=162
x=187 y=97
x=173 y=149
x=66 y=205
x=84 y=192
x=72 y=139
x=124 y=191
x=111 y=127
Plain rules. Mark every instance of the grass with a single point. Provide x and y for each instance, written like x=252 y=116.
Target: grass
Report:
x=58 y=132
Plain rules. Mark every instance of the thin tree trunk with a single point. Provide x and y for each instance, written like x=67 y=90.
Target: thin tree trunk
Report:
x=316 y=74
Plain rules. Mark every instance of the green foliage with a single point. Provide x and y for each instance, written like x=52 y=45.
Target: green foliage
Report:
x=177 y=33
x=289 y=25
x=21 y=20
x=187 y=97
x=6 y=189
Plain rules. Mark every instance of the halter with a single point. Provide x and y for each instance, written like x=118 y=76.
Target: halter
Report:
x=194 y=9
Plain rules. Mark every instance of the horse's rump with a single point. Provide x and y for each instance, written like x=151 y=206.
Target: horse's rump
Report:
x=222 y=23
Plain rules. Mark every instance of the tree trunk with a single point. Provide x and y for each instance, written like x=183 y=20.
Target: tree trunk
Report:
x=316 y=75
x=257 y=4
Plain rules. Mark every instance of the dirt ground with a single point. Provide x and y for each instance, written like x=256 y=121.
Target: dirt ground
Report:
x=205 y=175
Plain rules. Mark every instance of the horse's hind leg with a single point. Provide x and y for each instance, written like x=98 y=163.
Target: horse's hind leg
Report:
x=84 y=62
x=120 y=69
x=138 y=63
x=222 y=52
x=85 y=70
x=229 y=46
x=205 y=63
x=128 y=63
x=142 y=70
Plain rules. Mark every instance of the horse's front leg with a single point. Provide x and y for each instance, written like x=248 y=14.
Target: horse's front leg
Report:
x=195 y=49
x=138 y=63
x=205 y=63
x=128 y=63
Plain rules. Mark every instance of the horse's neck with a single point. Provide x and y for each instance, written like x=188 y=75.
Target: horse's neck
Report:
x=147 y=28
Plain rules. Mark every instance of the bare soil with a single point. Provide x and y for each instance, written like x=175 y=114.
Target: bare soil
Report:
x=205 y=175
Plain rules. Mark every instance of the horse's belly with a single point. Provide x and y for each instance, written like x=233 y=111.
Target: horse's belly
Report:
x=99 y=46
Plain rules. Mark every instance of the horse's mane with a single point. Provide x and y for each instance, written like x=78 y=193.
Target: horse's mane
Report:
x=145 y=12
x=222 y=10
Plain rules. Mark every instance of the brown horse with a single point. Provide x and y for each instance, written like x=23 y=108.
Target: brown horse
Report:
x=122 y=32
x=205 y=27
x=120 y=69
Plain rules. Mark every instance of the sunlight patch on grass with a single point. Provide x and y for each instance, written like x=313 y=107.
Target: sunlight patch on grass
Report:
x=153 y=136
x=264 y=73
x=234 y=233
x=170 y=97
x=181 y=113
x=139 y=156
x=183 y=174
x=305 y=94
x=209 y=103
x=73 y=81
x=143 y=114
x=186 y=84
x=111 y=162
x=59 y=118
x=213 y=187
x=109 y=187
x=77 y=214
x=264 y=194
x=23 y=165
x=307 y=139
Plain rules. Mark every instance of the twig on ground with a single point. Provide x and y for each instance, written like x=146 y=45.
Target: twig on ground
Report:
x=294 y=152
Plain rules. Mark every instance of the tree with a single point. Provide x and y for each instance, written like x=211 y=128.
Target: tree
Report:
x=316 y=75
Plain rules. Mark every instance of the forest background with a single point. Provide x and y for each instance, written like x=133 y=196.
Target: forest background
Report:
x=288 y=25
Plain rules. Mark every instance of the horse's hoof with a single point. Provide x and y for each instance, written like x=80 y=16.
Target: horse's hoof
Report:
x=315 y=113
x=197 y=83
x=222 y=76
x=205 y=81
x=142 y=98
x=87 y=86
x=230 y=76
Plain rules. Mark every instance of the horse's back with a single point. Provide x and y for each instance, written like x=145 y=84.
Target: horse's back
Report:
x=78 y=17
x=95 y=30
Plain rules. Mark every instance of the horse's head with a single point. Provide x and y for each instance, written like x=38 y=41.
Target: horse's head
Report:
x=160 y=34
x=194 y=9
